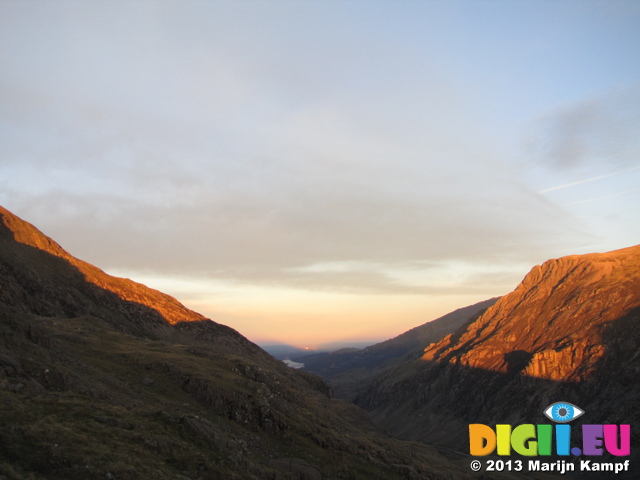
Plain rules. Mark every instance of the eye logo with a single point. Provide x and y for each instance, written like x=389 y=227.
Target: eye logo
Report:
x=563 y=412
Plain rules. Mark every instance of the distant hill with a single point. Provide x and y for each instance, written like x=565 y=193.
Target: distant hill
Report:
x=350 y=370
x=569 y=332
x=284 y=352
x=104 y=378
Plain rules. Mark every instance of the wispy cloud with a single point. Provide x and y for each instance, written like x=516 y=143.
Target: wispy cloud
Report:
x=588 y=180
x=605 y=197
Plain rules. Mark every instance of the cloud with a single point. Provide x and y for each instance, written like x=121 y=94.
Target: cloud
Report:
x=215 y=142
x=272 y=222
x=601 y=130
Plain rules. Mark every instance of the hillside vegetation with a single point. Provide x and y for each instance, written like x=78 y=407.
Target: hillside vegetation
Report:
x=104 y=378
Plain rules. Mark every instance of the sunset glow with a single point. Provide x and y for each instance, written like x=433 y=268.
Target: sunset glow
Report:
x=304 y=318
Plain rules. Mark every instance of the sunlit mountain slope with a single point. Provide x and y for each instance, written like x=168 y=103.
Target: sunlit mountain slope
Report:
x=570 y=331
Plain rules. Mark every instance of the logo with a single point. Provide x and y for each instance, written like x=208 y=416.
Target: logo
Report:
x=531 y=440
x=563 y=412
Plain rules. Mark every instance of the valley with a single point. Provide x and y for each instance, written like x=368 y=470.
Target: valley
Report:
x=102 y=377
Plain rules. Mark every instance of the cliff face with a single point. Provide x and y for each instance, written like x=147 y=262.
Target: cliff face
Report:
x=552 y=326
x=102 y=377
x=570 y=331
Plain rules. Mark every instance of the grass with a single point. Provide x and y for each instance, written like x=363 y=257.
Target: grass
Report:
x=111 y=405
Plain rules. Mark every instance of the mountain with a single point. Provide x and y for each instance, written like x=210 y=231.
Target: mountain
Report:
x=569 y=332
x=40 y=278
x=350 y=370
x=102 y=377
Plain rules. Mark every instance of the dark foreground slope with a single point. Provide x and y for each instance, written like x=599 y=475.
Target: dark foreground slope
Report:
x=350 y=371
x=569 y=332
x=101 y=377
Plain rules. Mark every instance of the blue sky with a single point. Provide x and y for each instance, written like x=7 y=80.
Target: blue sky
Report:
x=318 y=171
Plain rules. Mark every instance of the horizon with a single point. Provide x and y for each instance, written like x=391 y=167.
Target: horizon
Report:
x=311 y=173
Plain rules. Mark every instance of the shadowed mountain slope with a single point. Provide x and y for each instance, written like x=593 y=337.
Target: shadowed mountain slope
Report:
x=570 y=331
x=43 y=279
x=349 y=371
x=102 y=377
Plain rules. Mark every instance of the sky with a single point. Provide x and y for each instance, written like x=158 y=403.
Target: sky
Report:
x=309 y=172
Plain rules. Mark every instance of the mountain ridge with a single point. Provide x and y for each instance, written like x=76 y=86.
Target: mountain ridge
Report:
x=26 y=234
x=53 y=282
x=554 y=290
